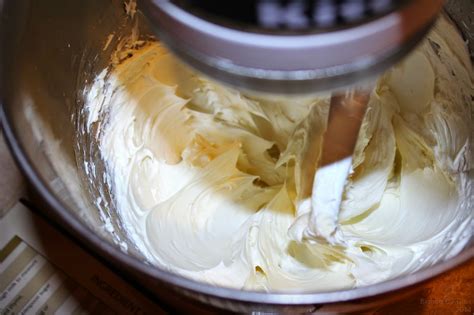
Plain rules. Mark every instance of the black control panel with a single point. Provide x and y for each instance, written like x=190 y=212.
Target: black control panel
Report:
x=289 y=15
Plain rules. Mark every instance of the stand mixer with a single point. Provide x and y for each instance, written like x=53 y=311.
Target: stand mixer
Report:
x=300 y=47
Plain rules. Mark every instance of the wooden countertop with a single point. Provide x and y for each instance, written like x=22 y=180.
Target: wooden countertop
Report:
x=451 y=293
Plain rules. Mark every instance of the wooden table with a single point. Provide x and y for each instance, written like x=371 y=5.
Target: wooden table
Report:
x=451 y=293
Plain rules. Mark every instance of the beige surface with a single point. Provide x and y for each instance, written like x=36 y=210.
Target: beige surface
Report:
x=43 y=272
x=11 y=182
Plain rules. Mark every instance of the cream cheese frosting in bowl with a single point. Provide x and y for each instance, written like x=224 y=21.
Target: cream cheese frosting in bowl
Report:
x=207 y=181
x=50 y=89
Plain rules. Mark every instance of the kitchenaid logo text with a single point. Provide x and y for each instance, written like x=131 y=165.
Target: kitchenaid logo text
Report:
x=303 y=14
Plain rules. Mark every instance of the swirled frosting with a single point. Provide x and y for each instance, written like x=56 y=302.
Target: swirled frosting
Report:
x=207 y=181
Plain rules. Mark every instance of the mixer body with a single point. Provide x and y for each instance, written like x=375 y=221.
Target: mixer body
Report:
x=291 y=47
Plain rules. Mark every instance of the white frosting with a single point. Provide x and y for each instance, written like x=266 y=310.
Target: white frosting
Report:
x=207 y=181
x=318 y=216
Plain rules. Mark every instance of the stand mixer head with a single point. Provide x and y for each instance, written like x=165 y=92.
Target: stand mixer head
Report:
x=291 y=47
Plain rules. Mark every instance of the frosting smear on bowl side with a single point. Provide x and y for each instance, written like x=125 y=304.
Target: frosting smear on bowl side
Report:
x=207 y=181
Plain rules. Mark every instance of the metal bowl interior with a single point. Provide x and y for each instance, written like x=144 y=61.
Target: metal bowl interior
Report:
x=49 y=52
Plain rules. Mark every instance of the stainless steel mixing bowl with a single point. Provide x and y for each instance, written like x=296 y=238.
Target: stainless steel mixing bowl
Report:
x=50 y=51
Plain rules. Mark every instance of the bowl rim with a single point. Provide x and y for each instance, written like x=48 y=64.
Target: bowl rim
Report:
x=100 y=247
